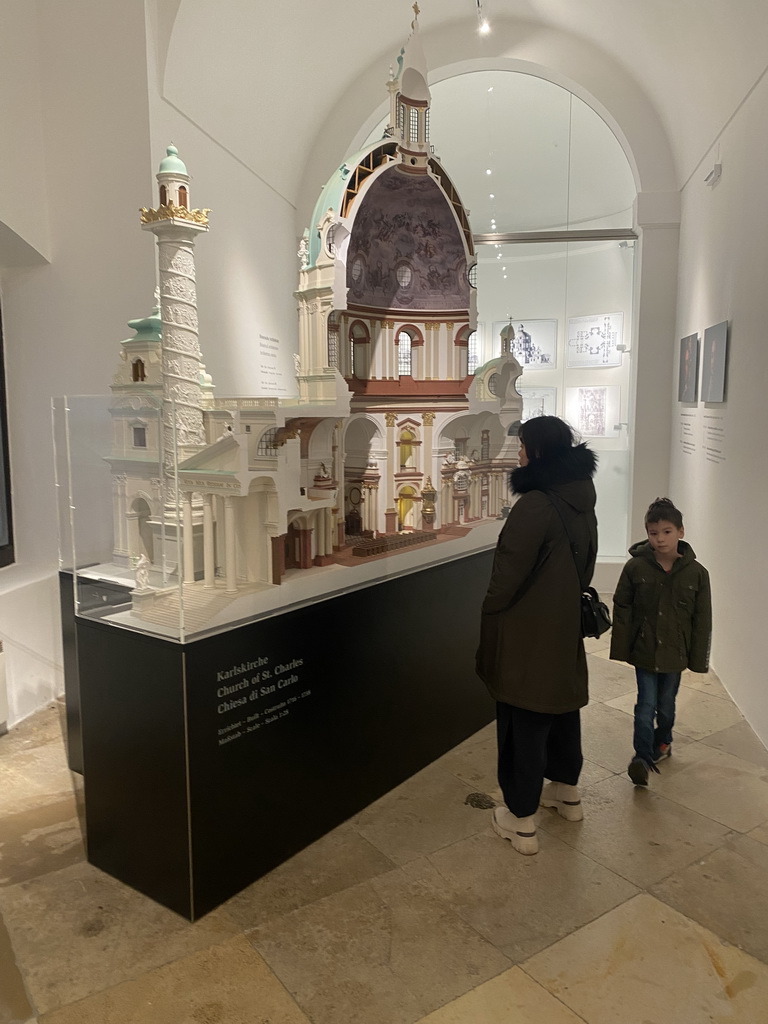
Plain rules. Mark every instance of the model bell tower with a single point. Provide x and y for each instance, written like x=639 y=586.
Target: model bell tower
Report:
x=175 y=225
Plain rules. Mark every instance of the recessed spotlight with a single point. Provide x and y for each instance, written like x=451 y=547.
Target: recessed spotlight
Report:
x=490 y=89
x=488 y=170
x=505 y=277
x=491 y=196
x=498 y=257
x=485 y=28
x=503 y=268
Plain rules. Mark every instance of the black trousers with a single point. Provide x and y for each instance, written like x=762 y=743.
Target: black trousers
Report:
x=534 y=747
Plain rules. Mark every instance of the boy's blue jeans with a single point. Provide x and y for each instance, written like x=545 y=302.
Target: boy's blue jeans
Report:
x=656 y=693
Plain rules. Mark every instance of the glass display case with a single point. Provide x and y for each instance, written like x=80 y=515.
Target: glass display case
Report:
x=181 y=540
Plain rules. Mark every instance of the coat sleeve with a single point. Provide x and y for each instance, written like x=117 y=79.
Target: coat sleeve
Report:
x=701 y=634
x=621 y=634
x=517 y=554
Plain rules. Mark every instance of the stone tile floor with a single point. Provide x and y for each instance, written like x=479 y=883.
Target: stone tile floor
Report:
x=653 y=909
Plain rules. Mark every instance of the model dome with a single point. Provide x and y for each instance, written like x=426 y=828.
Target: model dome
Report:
x=171 y=164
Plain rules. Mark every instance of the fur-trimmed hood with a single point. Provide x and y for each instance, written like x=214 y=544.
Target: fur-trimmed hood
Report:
x=562 y=474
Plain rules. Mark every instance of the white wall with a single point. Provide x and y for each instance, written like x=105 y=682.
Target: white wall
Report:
x=88 y=165
x=723 y=274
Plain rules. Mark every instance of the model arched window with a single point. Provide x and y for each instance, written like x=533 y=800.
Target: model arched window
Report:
x=413 y=134
x=333 y=339
x=473 y=354
x=358 y=334
x=183 y=198
x=267 y=442
x=407 y=456
x=163 y=195
x=138 y=373
x=404 y=357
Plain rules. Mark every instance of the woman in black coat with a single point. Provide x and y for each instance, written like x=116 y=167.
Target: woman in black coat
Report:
x=531 y=654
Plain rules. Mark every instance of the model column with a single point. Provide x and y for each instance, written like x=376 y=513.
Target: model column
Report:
x=390 y=512
x=175 y=225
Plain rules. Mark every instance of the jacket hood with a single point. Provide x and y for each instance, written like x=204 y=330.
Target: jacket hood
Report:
x=642 y=549
x=566 y=474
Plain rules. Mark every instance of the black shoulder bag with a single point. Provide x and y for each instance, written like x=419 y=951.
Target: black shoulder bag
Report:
x=595 y=617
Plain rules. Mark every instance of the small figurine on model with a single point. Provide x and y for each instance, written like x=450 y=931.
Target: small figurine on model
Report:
x=662 y=624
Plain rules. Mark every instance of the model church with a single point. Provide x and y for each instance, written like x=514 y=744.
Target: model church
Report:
x=390 y=442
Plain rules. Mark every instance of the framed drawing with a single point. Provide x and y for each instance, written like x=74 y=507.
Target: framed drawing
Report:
x=594 y=411
x=594 y=340
x=687 y=388
x=714 y=362
x=538 y=402
x=534 y=345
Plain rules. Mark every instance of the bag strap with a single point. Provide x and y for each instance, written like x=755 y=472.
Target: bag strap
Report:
x=573 y=544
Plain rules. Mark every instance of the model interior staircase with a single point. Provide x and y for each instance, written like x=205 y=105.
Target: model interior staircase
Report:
x=201 y=605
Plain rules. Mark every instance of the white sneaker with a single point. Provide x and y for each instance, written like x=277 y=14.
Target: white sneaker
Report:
x=521 y=832
x=565 y=800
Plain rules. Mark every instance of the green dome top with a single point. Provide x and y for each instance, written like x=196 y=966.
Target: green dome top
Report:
x=148 y=328
x=171 y=164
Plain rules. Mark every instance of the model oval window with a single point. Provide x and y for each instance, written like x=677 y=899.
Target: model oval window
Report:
x=493 y=384
x=358 y=269
x=472 y=276
x=404 y=275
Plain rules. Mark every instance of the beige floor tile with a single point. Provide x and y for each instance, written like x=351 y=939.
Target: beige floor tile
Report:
x=635 y=832
x=14 y=1001
x=474 y=765
x=46 y=838
x=522 y=904
x=707 y=682
x=226 y=984
x=337 y=861
x=644 y=963
x=605 y=654
x=44 y=727
x=726 y=891
x=594 y=644
x=740 y=741
x=78 y=931
x=592 y=773
x=606 y=736
x=32 y=776
x=383 y=952
x=609 y=679
x=698 y=714
x=717 y=785
x=425 y=813
x=760 y=833
x=510 y=998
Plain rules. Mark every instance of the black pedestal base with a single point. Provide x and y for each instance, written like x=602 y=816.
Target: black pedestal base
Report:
x=208 y=764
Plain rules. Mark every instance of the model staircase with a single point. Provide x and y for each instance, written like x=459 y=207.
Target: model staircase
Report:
x=201 y=605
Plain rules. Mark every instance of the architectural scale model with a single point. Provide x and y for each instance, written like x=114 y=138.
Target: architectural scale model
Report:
x=390 y=443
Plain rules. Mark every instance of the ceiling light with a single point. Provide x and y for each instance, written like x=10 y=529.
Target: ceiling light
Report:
x=490 y=89
x=482 y=22
x=491 y=196
x=488 y=170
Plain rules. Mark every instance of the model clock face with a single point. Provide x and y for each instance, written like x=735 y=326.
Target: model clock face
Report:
x=354 y=495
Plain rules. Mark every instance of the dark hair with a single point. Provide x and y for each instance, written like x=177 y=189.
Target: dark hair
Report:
x=545 y=437
x=663 y=509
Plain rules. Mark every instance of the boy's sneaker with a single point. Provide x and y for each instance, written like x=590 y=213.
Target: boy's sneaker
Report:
x=565 y=799
x=521 y=832
x=663 y=750
x=638 y=771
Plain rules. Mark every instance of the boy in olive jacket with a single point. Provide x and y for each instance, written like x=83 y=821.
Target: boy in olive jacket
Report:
x=662 y=624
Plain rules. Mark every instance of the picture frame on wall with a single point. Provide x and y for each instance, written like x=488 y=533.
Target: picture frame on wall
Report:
x=538 y=402
x=534 y=345
x=688 y=383
x=714 y=363
x=594 y=410
x=594 y=341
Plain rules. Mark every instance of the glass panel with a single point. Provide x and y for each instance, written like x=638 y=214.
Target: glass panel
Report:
x=527 y=155
x=570 y=307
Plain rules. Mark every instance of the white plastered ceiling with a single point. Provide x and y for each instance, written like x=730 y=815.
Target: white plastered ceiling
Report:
x=284 y=86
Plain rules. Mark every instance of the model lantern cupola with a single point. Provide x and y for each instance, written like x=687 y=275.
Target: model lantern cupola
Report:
x=409 y=103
